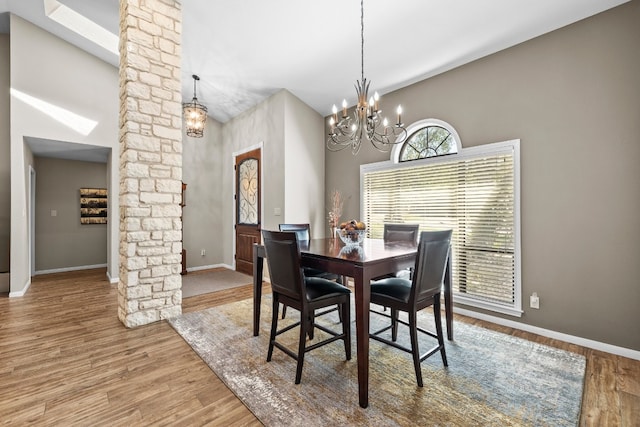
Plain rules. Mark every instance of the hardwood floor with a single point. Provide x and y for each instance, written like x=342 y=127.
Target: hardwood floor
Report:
x=65 y=359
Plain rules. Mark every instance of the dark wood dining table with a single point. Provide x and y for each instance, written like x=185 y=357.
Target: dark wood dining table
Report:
x=373 y=258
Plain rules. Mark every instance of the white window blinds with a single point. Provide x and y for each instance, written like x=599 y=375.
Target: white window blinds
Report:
x=475 y=196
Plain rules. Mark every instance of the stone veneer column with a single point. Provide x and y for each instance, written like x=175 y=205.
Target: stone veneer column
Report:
x=150 y=285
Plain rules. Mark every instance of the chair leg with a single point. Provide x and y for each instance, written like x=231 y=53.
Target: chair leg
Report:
x=340 y=313
x=274 y=326
x=345 y=311
x=310 y=328
x=415 y=351
x=437 y=318
x=304 y=326
x=284 y=310
x=394 y=324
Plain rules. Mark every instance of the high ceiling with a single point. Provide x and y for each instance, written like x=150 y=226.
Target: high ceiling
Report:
x=246 y=50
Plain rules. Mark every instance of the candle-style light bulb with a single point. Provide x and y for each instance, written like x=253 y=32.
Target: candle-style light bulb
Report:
x=344 y=108
x=385 y=122
x=376 y=98
x=399 y=114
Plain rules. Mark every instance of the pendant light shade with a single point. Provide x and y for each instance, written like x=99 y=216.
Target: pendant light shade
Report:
x=195 y=114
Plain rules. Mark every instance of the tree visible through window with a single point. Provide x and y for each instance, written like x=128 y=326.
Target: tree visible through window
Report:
x=429 y=141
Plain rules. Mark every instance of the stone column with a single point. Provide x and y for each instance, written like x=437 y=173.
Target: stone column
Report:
x=150 y=285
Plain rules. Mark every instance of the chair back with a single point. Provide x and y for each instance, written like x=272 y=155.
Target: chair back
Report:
x=401 y=232
x=303 y=231
x=283 y=259
x=431 y=263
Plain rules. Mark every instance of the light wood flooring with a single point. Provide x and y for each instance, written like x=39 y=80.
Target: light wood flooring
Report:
x=65 y=359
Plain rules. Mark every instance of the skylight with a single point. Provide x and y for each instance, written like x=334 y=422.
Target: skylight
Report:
x=78 y=123
x=81 y=25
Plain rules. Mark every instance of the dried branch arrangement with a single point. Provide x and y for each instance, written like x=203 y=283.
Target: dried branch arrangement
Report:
x=337 y=201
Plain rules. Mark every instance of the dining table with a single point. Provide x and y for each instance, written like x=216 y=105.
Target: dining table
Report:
x=362 y=262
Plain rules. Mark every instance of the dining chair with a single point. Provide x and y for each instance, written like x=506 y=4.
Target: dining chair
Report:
x=303 y=233
x=411 y=296
x=400 y=233
x=305 y=294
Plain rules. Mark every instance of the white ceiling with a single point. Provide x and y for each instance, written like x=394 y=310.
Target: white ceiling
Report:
x=246 y=50
x=67 y=150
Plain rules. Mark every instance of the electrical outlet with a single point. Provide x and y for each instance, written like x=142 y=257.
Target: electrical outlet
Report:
x=203 y=252
x=534 y=301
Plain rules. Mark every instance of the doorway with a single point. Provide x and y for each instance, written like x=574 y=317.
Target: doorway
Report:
x=32 y=221
x=248 y=207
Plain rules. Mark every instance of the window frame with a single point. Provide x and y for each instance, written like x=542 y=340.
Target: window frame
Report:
x=497 y=148
x=421 y=124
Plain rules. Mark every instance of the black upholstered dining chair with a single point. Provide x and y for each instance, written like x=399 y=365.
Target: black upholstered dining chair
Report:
x=303 y=233
x=414 y=295
x=401 y=233
x=305 y=294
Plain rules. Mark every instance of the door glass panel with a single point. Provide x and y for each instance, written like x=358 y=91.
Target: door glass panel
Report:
x=248 y=192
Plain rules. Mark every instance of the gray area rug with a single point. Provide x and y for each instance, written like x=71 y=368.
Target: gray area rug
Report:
x=202 y=282
x=492 y=379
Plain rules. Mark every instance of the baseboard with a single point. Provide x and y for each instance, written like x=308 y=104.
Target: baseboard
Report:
x=112 y=280
x=209 y=267
x=584 y=342
x=22 y=292
x=65 y=269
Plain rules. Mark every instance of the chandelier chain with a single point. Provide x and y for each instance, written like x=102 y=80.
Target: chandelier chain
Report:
x=361 y=40
x=367 y=122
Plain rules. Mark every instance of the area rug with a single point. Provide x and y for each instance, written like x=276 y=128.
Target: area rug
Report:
x=493 y=379
x=202 y=282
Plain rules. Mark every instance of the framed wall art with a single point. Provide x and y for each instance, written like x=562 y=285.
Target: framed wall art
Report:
x=93 y=206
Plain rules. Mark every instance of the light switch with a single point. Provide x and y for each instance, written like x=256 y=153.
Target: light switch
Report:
x=54 y=212
x=277 y=211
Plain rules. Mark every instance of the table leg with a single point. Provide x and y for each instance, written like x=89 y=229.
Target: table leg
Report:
x=257 y=290
x=362 y=299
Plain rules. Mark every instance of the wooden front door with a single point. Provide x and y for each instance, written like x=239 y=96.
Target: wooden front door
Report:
x=247 y=199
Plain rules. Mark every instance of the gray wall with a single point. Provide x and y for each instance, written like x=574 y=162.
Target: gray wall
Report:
x=202 y=216
x=290 y=133
x=5 y=156
x=49 y=68
x=573 y=99
x=291 y=136
x=61 y=241
x=304 y=167
x=262 y=124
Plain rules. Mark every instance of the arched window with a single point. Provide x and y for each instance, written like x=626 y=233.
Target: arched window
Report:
x=427 y=138
x=432 y=181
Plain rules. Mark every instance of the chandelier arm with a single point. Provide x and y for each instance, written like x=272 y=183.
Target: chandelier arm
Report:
x=389 y=136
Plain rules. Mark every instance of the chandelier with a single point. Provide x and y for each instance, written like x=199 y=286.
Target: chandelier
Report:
x=367 y=122
x=195 y=114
